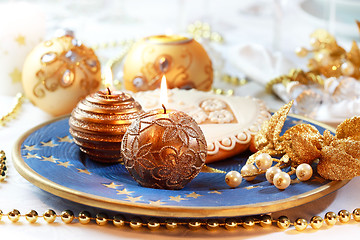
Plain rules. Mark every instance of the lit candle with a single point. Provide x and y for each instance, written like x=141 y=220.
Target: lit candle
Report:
x=164 y=148
x=99 y=122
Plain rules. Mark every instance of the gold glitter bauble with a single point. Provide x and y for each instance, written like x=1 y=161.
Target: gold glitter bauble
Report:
x=164 y=149
x=99 y=122
x=183 y=60
x=60 y=72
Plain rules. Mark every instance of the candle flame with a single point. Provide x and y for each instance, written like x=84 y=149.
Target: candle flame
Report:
x=108 y=77
x=163 y=92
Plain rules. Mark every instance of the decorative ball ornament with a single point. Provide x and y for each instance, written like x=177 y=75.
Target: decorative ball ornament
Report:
x=270 y=173
x=183 y=60
x=263 y=161
x=304 y=172
x=164 y=149
x=233 y=179
x=99 y=122
x=60 y=72
x=248 y=172
x=281 y=180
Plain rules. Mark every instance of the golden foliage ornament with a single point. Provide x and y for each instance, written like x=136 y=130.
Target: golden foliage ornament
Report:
x=339 y=155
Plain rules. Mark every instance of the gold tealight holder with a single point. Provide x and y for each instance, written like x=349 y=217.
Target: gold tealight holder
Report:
x=183 y=60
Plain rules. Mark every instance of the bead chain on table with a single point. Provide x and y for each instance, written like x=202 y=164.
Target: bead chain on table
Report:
x=14 y=111
x=119 y=220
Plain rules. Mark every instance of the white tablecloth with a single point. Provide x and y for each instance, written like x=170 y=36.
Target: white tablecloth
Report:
x=99 y=21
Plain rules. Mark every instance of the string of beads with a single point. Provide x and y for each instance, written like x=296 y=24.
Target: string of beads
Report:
x=3 y=168
x=14 y=111
x=283 y=222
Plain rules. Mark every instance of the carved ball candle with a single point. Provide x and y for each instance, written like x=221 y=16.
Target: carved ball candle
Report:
x=164 y=149
x=99 y=122
x=183 y=60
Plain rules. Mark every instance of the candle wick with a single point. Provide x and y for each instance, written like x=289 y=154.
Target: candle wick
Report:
x=164 y=108
x=109 y=92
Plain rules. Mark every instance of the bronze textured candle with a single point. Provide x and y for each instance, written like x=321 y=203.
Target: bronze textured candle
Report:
x=99 y=122
x=164 y=149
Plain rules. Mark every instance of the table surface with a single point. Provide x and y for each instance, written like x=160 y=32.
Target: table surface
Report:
x=94 y=22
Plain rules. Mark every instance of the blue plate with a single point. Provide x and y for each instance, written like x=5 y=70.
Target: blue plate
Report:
x=47 y=157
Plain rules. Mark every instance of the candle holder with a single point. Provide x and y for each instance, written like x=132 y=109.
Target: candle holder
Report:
x=183 y=60
x=164 y=149
x=99 y=122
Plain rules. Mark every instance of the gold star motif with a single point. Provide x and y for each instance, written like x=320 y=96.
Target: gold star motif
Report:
x=83 y=171
x=65 y=139
x=193 y=195
x=65 y=164
x=49 y=159
x=178 y=198
x=20 y=40
x=49 y=144
x=15 y=75
x=124 y=191
x=156 y=203
x=111 y=185
x=252 y=187
x=216 y=192
x=29 y=155
x=133 y=199
x=30 y=148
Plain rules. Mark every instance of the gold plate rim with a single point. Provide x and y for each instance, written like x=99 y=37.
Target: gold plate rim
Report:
x=165 y=211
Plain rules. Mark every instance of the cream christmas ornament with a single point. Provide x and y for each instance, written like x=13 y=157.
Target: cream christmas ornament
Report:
x=60 y=72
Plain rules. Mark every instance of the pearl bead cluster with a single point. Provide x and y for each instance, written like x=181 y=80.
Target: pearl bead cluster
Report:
x=283 y=222
x=273 y=174
x=3 y=168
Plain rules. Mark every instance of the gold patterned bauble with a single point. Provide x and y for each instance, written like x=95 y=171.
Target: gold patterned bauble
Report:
x=164 y=149
x=60 y=72
x=183 y=60
x=99 y=122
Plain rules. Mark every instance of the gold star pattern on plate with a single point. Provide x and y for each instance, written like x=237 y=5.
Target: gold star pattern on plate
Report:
x=49 y=144
x=252 y=187
x=65 y=164
x=83 y=171
x=15 y=75
x=133 y=199
x=156 y=203
x=30 y=148
x=124 y=191
x=65 y=139
x=216 y=192
x=21 y=40
x=193 y=195
x=178 y=198
x=29 y=155
x=49 y=159
x=111 y=185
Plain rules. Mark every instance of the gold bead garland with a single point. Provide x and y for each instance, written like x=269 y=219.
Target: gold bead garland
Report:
x=296 y=75
x=3 y=167
x=249 y=222
x=14 y=111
